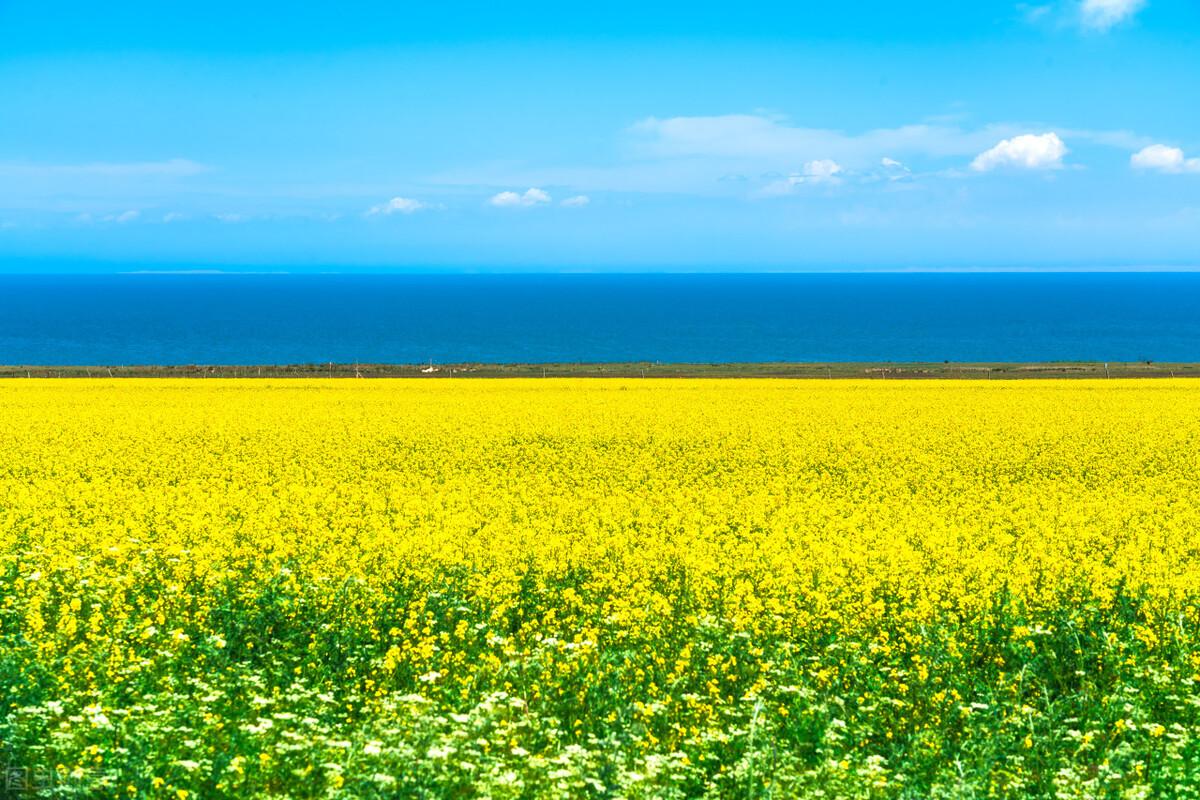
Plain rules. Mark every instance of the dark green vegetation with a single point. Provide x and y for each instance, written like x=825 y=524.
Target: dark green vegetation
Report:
x=643 y=369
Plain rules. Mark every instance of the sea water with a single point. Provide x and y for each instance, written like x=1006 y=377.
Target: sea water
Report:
x=285 y=319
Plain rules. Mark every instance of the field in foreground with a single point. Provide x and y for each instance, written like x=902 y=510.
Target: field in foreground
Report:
x=600 y=588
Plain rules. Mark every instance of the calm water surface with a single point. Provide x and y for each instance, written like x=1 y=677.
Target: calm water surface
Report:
x=265 y=319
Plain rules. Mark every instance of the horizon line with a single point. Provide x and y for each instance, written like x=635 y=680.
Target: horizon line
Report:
x=601 y=272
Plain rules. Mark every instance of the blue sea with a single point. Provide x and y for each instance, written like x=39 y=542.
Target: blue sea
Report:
x=287 y=319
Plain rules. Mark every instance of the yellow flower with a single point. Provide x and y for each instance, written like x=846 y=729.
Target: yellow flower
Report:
x=654 y=562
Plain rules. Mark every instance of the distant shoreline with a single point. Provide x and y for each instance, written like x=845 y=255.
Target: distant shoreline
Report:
x=832 y=370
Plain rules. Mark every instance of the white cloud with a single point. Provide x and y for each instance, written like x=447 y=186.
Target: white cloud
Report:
x=578 y=201
x=1028 y=151
x=127 y=216
x=1161 y=158
x=532 y=197
x=1104 y=14
x=778 y=188
x=230 y=218
x=174 y=216
x=710 y=156
x=398 y=205
x=756 y=137
x=894 y=170
x=506 y=199
x=822 y=170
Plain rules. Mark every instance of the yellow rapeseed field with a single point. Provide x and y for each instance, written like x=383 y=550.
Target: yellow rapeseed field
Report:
x=600 y=588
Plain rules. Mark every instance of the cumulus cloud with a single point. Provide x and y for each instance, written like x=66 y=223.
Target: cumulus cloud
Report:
x=397 y=205
x=1161 y=158
x=1027 y=151
x=1103 y=14
x=506 y=199
x=711 y=155
x=532 y=197
x=578 y=201
x=822 y=170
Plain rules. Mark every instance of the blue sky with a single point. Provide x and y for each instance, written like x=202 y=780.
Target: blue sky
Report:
x=547 y=136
